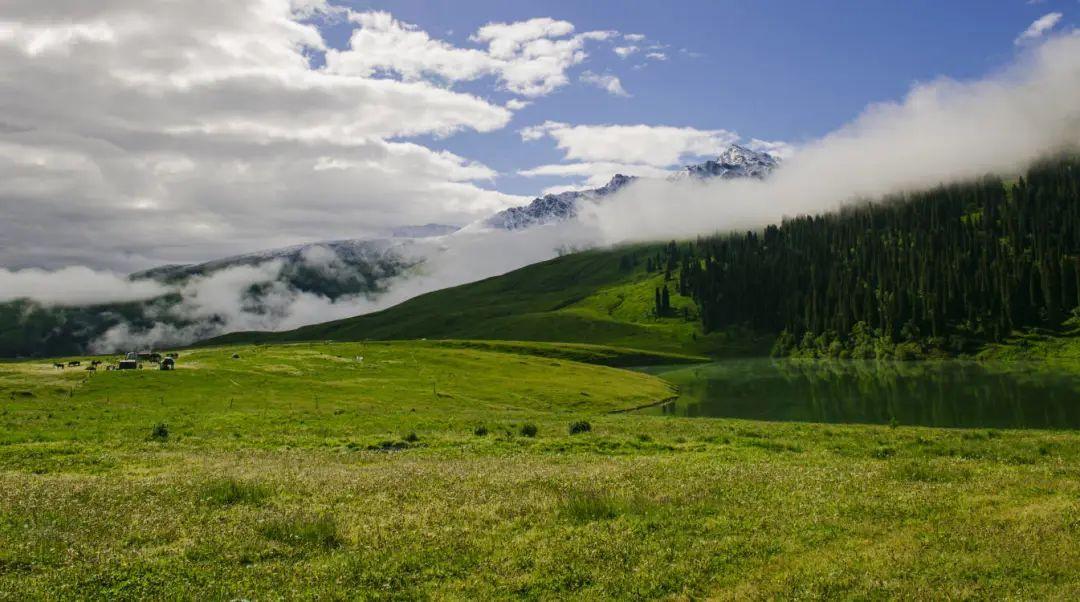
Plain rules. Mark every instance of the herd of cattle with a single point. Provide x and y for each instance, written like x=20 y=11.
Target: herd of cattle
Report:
x=131 y=361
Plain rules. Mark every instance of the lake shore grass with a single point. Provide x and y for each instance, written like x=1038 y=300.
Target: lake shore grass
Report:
x=303 y=471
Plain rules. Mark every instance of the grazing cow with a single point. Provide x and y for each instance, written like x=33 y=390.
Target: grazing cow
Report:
x=58 y=366
x=74 y=363
x=95 y=363
x=91 y=368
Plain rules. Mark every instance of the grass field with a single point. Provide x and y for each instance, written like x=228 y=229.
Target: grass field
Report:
x=587 y=297
x=299 y=471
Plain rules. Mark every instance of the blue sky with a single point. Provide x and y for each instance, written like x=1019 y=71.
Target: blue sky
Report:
x=788 y=70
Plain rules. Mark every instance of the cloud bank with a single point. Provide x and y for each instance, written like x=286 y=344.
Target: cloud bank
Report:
x=74 y=286
x=941 y=132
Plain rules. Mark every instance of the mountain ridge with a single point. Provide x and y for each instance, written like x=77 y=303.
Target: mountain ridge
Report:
x=734 y=162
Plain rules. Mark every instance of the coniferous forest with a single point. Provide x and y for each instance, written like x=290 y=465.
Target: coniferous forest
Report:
x=939 y=271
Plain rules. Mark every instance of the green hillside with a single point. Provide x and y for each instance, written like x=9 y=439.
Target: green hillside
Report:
x=603 y=297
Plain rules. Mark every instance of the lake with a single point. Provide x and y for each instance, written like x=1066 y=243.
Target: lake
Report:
x=938 y=393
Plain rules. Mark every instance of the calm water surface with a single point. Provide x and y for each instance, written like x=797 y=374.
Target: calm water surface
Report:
x=946 y=394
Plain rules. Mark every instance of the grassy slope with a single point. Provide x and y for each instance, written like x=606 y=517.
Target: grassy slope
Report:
x=1062 y=345
x=265 y=488
x=579 y=298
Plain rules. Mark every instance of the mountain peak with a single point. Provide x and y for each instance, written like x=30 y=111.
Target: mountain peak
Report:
x=735 y=162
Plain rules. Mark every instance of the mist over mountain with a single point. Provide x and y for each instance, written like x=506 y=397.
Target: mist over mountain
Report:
x=735 y=162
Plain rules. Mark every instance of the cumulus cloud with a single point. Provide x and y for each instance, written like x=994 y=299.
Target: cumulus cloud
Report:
x=606 y=82
x=776 y=148
x=188 y=130
x=625 y=51
x=1038 y=28
x=599 y=151
x=528 y=57
x=942 y=131
x=596 y=173
x=658 y=146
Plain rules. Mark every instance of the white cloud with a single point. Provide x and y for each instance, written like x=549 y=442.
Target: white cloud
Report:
x=656 y=56
x=188 y=130
x=528 y=57
x=74 y=286
x=1039 y=27
x=634 y=37
x=776 y=148
x=657 y=146
x=516 y=104
x=625 y=51
x=607 y=82
x=381 y=42
x=597 y=173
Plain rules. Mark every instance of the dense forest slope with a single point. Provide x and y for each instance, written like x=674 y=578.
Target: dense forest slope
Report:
x=948 y=270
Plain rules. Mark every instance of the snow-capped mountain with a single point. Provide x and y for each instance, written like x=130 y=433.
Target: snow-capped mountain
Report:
x=553 y=207
x=735 y=162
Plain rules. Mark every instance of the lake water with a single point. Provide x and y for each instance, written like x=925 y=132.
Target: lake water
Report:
x=945 y=394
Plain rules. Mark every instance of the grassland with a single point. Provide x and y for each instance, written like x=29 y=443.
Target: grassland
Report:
x=588 y=297
x=300 y=471
x=1062 y=345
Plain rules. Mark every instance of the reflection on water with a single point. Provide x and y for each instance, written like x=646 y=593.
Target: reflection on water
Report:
x=948 y=394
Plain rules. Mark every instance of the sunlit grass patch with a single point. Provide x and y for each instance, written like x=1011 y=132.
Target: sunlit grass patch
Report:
x=591 y=505
x=228 y=491
x=305 y=530
x=930 y=471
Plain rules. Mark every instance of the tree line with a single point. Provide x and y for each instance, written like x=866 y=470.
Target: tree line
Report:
x=944 y=270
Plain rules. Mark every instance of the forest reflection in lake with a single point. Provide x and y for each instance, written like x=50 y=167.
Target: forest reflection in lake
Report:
x=937 y=393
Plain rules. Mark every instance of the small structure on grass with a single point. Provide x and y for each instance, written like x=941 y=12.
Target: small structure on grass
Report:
x=128 y=365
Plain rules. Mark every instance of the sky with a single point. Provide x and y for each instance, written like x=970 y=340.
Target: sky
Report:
x=136 y=133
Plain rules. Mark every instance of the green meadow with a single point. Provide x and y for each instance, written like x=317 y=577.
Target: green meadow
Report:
x=494 y=470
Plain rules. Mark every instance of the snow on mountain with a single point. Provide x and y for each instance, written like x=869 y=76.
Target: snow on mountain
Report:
x=553 y=207
x=735 y=162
